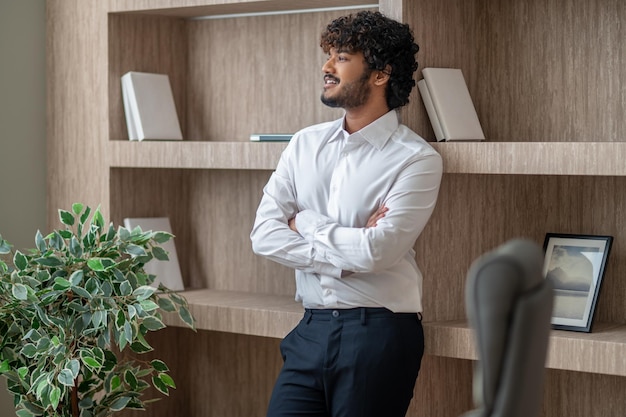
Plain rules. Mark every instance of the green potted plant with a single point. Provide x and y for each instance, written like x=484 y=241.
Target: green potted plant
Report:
x=74 y=314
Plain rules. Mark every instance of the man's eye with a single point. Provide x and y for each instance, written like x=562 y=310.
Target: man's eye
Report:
x=342 y=58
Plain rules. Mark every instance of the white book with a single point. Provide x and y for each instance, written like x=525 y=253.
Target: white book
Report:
x=130 y=109
x=452 y=112
x=167 y=272
x=149 y=106
x=430 y=109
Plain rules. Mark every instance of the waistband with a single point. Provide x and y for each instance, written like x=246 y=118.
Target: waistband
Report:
x=359 y=313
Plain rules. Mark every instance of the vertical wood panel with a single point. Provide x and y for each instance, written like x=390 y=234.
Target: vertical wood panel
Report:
x=217 y=374
x=583 y=394
x=76 y=109
x=212 y=212
x=476 y=213
x=145 y=44
x=537 y=70
x=443 y=388
x=267 y=78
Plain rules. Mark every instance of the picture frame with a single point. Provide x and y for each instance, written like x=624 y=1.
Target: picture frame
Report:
x=575 y=264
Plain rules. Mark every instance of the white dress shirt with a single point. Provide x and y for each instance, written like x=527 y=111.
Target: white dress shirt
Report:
x=332 y=182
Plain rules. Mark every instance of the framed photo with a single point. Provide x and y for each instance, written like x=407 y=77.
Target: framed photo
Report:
x=575 y=264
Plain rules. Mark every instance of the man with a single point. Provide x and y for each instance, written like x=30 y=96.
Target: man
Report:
x=344 y=207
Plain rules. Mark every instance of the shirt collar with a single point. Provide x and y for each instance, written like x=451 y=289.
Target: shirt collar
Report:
x=376 y=133
x=338 y=132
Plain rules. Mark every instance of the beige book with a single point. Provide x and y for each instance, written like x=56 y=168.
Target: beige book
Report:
x=449 y=105
x=167 y=272
x=149 y=106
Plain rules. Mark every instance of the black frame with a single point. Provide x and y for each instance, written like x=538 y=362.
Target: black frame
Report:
x=576 y=266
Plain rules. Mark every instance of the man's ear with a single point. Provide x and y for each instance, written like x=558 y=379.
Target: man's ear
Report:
x=382 y=77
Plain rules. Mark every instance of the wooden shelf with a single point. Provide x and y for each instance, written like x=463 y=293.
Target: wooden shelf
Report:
x=195 y=154
x=241 y=312
x=199 y=8
x=541 y=158
x=602 y=352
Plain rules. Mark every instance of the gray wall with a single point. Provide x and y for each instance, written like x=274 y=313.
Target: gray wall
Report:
x=22 y=129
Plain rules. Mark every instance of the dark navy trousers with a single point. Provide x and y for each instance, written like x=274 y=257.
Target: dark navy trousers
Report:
x=360 y=362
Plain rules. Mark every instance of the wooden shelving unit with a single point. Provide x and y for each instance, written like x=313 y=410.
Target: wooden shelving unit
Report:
x=540 y=158
x=548 y=81
x=274 y=316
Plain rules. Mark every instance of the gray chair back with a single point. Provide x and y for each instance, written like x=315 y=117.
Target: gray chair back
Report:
x=509 y=306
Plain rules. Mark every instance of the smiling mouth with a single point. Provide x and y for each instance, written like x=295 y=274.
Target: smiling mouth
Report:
x=329 y=80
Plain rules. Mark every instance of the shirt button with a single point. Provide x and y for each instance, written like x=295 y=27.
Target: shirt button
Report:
x=335 y=313
x=327 y=292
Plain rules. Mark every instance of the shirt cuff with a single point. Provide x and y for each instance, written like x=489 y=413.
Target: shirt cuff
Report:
x=307 y=222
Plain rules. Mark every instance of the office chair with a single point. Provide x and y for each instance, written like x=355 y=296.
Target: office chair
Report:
x=509 y=306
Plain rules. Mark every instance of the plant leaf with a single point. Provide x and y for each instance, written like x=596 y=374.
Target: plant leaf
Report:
x=144 y=292
x=186 y=316
x=100 y=264
x=29 y=350
x=178 y=299
x=167 y=380
x=77 y=208
x=40 y=242
x=135 y=250
x=75 y=247
x=55 y=396
x=20 y=261
x=128 y=331
x=50 y=261
x=66 y=378
x=61 y=284
x=77 y=277
x=85 y=215
x=115 y=383
x=159 y=365
x=5 y=247
x=153 y=324
x=81 y=292
x=148 y=305
x=91 y=363
x=166 y=304
x=66 y=217
x=56 y=240
x=126 y=288
x=160 y=253
x=74 y=366
x=123 y=233
x=97 y=219
x=160 y=385
x=120 y=403
x=162 y=237
x=130 y=379
x=20 y=292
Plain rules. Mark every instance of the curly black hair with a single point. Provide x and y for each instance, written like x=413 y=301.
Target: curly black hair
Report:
x=383 y=42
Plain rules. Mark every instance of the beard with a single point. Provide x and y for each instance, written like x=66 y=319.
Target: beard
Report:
x=350 y=95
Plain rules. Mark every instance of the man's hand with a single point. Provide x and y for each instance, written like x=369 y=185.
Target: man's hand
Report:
x=292 y=224
x=371 y=222
x=378 y=214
